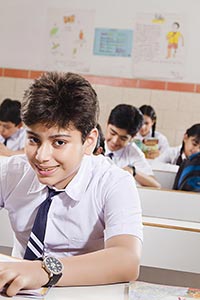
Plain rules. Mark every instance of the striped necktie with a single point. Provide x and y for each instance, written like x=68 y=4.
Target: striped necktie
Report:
x=35 y=246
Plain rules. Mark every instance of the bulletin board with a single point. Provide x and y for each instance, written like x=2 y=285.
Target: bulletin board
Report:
x=106 y=38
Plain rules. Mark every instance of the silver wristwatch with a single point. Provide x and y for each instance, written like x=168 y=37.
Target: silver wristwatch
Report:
x=54 y=267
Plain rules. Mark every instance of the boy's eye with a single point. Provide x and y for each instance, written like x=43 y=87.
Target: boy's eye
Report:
x=33 y=140
x=123 y=139
x=59 y=143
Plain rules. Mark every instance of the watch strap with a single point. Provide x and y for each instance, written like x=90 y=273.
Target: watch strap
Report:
x=133 y=168
x=53 y=280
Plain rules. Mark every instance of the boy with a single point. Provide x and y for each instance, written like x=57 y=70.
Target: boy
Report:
x=12 y=133
x=94 y=227
x=123 y=124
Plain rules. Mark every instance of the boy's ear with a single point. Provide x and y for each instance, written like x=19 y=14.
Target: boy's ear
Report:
x=91 y=141
x=20 y=125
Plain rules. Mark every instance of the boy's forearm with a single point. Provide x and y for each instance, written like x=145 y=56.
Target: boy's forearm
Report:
x=147 y=180
x=110 y=265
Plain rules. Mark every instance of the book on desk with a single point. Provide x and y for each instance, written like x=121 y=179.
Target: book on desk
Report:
x=149 y=291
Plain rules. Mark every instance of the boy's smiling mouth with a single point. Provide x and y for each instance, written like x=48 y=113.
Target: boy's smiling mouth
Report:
x=46 y=170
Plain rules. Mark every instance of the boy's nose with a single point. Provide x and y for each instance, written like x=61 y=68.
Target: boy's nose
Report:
x=43 y=152
x=115 y=139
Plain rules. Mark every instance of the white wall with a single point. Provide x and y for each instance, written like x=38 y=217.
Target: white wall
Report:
x=23 y=30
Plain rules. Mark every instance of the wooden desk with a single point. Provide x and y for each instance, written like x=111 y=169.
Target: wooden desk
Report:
x=171 y=229
x=164 y=173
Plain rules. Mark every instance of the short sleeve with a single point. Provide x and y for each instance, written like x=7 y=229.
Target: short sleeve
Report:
x=123 y=209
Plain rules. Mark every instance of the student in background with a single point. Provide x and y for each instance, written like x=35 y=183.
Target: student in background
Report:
x=12 y=132
x=148 y=131
x=190 y=145
x=100 y=146
x=90 y=231
x=123 y=124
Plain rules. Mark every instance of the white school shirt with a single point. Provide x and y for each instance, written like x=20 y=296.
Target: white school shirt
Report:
x=17 y=140
x=131 y=155
x=162 y=140
x=170 y=155
x=100 y=202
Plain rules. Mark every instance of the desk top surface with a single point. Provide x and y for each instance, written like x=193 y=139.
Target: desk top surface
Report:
x=102 y=292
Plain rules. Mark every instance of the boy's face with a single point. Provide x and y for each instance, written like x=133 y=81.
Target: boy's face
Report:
x=7 y=129
x=55 y=154
x=116 y=138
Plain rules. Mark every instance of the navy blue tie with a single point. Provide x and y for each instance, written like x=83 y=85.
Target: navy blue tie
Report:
x=5 y=142
x=35 y=246
x=111 y=155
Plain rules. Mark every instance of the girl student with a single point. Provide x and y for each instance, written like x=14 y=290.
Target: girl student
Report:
x=189 y=146
x=152 y=142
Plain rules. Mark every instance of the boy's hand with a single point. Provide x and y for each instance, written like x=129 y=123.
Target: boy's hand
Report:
x=22 y=275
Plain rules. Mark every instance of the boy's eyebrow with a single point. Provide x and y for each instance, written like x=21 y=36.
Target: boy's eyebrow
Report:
x=52 y=136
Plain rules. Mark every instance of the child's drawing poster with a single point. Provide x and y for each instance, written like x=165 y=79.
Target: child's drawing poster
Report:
x=70 y=35
x=159 y=46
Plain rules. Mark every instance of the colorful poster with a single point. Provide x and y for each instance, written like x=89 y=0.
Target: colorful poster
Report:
x=70 y=36
x=113 y=42
x=159 y=46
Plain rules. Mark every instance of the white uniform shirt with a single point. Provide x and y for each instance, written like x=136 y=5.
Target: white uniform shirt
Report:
x=170 y=155
x=162 y=140
x=131 y=155
x=17 y=140
x=100 y=202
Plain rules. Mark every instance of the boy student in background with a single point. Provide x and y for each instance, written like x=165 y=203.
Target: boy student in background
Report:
x=12 y=132
x=148 y=131
x=123 y=124
x=190 y=145
x=90 y=236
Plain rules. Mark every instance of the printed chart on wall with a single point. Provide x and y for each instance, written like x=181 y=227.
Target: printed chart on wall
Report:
x=69 y=36
x=159 y=49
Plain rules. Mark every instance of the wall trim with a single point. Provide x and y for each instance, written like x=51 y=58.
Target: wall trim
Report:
x=113 y=81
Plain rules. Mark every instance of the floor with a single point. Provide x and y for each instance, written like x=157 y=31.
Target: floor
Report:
x=169 y=277
x=5 y=250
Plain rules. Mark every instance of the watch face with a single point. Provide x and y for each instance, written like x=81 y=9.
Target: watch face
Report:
x=53 y=265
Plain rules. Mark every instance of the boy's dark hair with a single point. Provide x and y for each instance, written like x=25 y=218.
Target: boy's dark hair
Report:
x=149 y=111
x=128 y=117
x=10 y=111
x=61 y=99
x=100 y=140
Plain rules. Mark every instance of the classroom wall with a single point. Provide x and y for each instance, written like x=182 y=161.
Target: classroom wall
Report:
x=176 y=110
x=24 y=40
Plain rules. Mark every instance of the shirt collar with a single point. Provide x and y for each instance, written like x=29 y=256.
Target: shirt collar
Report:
x=77 y=187
x=116 y=153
